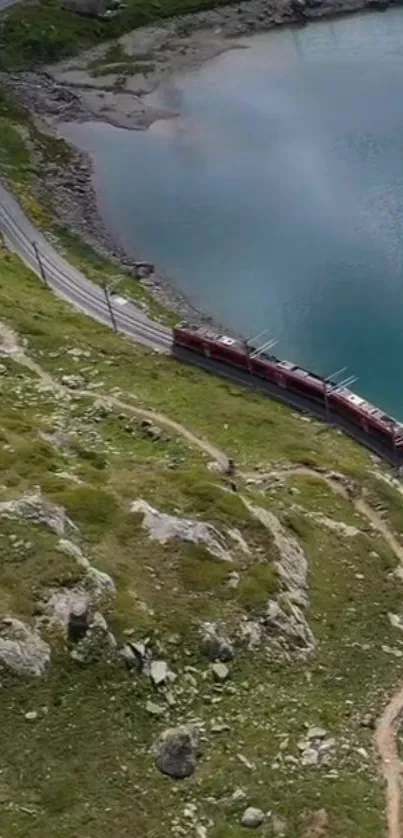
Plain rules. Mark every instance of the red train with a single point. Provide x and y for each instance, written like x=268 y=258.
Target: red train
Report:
x=336 y=398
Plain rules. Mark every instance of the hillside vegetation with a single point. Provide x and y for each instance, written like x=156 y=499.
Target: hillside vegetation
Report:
x=91 y=427
x=40 y=32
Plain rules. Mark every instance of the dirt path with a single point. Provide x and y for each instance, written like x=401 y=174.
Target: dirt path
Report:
x=339 y=484
x=385 y=739
x=10 y=347
x=165 y=421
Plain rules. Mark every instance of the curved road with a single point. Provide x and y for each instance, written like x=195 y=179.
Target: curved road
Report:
x=22 y=237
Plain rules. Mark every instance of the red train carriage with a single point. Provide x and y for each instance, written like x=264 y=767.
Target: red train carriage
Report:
x=288 y=376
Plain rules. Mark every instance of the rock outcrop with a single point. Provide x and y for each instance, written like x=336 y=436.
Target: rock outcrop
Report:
x=162 y=527
x=22 y=649
x=35 y=509
x=283 y=623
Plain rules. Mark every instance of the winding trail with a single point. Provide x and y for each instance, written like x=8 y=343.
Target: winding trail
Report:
x=10 y=347
x=385 y=739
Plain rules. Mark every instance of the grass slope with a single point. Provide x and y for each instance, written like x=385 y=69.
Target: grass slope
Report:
x=84 y=766
x=35 y=33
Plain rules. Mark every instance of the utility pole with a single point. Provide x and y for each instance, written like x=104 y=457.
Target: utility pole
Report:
x=40 y=263
x=110 y=307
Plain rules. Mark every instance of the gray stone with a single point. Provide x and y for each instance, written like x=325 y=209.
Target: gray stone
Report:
x=159 y=672
x=97 y=644
x=100 y=584
x=155 y=709
x=34 y=508
x=309 y=757
x=316 y=733
x=238 y=796
x=163 y=528
x=220 y=671
x=74 y=382
x=176 y=752
x=252 y=817
x=31 y=715
x=76 y=352
x=215 y=645
x=68 y=609
x=22 y=649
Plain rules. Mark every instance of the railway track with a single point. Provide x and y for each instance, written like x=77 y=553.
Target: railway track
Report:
x=64 y=279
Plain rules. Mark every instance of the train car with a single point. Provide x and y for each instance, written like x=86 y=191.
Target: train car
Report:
x=368 y=417
x=339 y=400
x=211 y=344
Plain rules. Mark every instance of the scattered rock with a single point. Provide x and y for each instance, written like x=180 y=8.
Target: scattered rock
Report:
x=234 y=579
x=238 y=796
x=31 y=715
x=35 y=509
x=76 y=352
x=309 y=757
x=159 y=672
x=252 y=817
x=246 y=762
x=176 y=752
x=215 y=645
x=316 y=733
x=150 y=430
x=220 y=671
x=74 y=382
x=98 y=642
x=345 y=530
x=130 y=658
x=162 y=527
x=155 y=709
x=220 y=727
x=22 y=649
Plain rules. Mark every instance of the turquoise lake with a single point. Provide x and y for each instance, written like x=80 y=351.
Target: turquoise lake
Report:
x=275 y=200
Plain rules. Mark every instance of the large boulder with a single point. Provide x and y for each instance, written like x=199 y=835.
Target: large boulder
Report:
x=22 y=649
x=176 y=752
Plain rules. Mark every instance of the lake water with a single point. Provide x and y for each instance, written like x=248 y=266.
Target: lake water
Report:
x=275 y=201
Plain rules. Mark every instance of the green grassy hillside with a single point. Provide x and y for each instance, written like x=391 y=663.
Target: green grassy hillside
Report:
x=36 y=33
x=76 y=743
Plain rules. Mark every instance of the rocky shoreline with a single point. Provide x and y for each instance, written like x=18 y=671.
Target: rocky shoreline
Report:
x=92 y=87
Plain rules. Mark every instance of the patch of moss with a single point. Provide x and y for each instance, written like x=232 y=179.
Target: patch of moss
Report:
x=257 y=585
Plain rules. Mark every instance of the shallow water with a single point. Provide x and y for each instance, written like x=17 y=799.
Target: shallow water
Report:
x=276 y=199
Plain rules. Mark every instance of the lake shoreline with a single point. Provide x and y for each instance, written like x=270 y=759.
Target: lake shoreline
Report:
x=84 y=89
